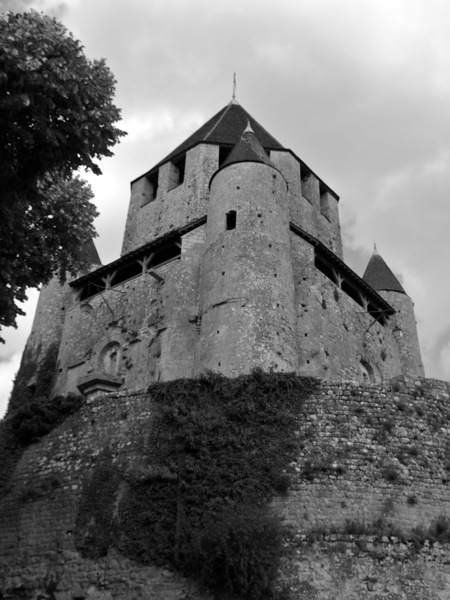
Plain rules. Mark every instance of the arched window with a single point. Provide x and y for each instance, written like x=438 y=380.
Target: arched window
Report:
x=110 y=358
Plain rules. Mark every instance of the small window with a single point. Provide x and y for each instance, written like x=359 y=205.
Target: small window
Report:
x=176 y=172
x=231 y=220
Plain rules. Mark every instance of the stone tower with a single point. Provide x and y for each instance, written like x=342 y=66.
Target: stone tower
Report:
x=231 y=259
x=247 y=293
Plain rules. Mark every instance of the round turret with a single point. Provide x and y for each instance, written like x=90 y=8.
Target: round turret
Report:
x=403 y=322
x=247 y=289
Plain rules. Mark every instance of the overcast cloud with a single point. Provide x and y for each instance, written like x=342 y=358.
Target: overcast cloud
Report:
x=359 y=89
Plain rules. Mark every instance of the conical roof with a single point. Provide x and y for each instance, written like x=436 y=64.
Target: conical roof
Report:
x=247 y=149
x=225 y=128
x=380 y=277
x=90 y=251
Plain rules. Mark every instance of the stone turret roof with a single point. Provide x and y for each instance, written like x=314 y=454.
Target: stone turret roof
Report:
x=379 y=276
x=225 y=128
x=248 y=149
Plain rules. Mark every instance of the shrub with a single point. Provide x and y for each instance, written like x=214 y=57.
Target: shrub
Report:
x=40 y=415
x=390 y=473
x=281 y=483
x=355 y=528
x=440 y=529
x=239 y=553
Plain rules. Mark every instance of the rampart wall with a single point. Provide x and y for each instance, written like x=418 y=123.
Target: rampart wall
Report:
x=374 y=460
x=335 y=335
x=154 y=323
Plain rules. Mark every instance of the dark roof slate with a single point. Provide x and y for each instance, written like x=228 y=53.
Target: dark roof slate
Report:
x=379 y=276
x=247 y=149
x=225 y=127
x=90 y=251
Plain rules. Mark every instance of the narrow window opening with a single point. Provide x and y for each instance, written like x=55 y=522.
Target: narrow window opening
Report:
x=231 y=220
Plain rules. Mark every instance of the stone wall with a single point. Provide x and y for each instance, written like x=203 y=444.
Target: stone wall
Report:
x=345 y=567
x=153 y=322
x=316 y=213
x=335 y=334
x=373 y=453
x=371 y=456
x=173 y=207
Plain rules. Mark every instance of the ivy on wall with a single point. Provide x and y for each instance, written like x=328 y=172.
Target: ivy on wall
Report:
x=215 y=456
x=33 y=379
x=32 y=412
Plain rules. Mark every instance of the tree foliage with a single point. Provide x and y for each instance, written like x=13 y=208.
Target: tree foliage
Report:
x=56 y=116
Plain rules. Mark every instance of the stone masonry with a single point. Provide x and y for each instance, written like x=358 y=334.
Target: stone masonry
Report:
x=370 y=452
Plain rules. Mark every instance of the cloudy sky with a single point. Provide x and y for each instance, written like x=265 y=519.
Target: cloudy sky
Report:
x=359 y=89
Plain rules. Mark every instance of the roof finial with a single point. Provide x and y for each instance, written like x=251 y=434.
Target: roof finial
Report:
x=248 y=129
x=233 y=99
x=375 y=251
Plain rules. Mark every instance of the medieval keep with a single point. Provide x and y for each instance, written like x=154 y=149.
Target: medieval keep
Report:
x=231 y=259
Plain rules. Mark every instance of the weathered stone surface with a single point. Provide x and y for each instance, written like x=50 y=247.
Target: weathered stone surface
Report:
x=350 y=433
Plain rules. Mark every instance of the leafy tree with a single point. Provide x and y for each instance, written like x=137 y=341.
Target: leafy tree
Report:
x=56 y=116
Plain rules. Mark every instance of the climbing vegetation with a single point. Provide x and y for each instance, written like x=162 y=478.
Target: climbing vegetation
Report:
x=215 y=455
x=32 y=411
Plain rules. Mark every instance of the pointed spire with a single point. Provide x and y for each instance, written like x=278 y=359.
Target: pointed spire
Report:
x=379 y=276
x=248 y=149
x=233 y=98
x=91 y=253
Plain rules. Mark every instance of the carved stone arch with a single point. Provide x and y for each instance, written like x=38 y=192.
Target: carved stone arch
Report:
x=110 y=357
x=366 y=371
x=369 y=373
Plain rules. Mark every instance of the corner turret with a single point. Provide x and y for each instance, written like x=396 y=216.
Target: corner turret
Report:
x=247 y=288
x=403 y=323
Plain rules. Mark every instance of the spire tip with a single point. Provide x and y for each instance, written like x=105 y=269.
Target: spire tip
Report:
x=233 y=97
